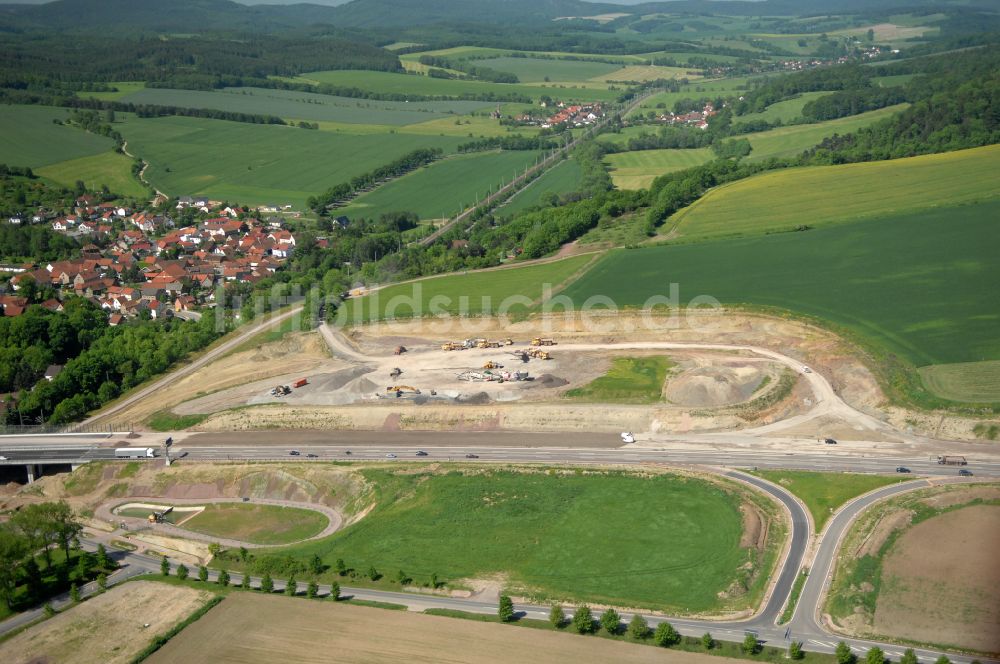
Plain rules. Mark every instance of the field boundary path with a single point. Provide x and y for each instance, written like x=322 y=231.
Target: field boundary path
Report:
x=537 y=170
x=105 y=511
x=241 y=336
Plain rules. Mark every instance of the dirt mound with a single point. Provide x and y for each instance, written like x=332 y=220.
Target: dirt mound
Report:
x=477 y=399
x=548 y=380
x=714 y=386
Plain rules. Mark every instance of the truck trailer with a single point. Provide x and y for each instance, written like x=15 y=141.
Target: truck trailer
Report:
x=135 y=453
x=952 y=461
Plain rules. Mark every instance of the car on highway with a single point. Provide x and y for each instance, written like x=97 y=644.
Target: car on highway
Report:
x=294 y=453
x=471 y=456
x=902 y=469
x=830 y=441
x=3 y=458
x=390 y=455
x=421 y=453
x=311 y=456
x=628 y=437
x=965 y=473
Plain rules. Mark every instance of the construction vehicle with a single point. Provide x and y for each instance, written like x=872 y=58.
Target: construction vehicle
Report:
x=280 y=390
x=399 y=350
x=539 y=354
x=486 y=343
x=301 y=382
x=452 y=345
x=492 y=365
x=473 y=343
x=952 y=461
x=395 y=373
x=508 y=342
x=542 y=341
x=399 y=389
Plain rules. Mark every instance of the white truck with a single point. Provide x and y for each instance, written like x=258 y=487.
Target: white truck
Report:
x=135 y=453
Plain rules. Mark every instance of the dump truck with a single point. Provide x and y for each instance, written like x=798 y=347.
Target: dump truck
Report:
x=542 y=341
x=486 y=343
x=399 y=389
x=301 y=382
x=492 y=365
x=452 y=345
x=952 y=461
x=135 y=453
x=399 y=350
x=395 y=373
x=508 y=342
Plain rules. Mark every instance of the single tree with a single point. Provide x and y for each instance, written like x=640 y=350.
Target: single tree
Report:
x=434 y=580
x=340 y=566
x=223 y=579
x=102 y=581
x=291 y=586
x=182 y=571
x=64 y=524
x=335 y=591
x=611 y=621
x=83 y=566
x=909 y=657
x=74 y=593
x=795 y=650
x=506 y=610
x=245 y=582
x=557 y=616
x=750 y=643
x=49 y=610
x=103 y=560
x=244 y=554
x=583 y=620
x=875 y=656
x=316 y=565
x=373 y=574
x=402 y=578
x=638 y=628
x=665 y=635
x=267 y=583
x=214 y=548
x=844 y=654
x=33 y=577
x=165 y=566
x=202 y=573
x=312 y=589
x=14 y=548
x=707 y=642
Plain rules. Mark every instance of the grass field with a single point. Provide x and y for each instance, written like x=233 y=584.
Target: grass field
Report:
x=917 y=285
x=824 y=493
x=259 y=524
x=785 y=111
x=562 y=178
x=28 y=137
x=258 y=164
x=124 y=88
x=791 y=141
x=307 y=106
x=974 y=382
x=410 y=84
x=561 y=534
x=648 y=73
x=816 y=196
x=444 y=188
x=533 y=70
x=704 y=88
x=637 y=170
x=631 y=380
x=110 y=168
x=474 y=293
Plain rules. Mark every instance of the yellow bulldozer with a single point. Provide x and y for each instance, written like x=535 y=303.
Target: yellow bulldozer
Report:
x=451 y=345
x=542 y=341
x=492 y=365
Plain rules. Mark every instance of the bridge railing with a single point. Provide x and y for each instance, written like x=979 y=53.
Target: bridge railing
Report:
x=55 y=429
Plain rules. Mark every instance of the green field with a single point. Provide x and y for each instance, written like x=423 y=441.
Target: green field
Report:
x=259 y=524
x=307 y=106
x=28 y=137
x=820 y=195
x=793 y=140
x=637 y=170
x=705 y=88
x=107 y=168
x=562 y=535
x=482 y=292
x=411 y=84
x=631 y=380
x=921 y=285
x=824 y=493
x=259 y=164
x=562 y=178
x=534 y=70
x=973 y=382
x=785 y=111
x=124 y=88
x=445 y=187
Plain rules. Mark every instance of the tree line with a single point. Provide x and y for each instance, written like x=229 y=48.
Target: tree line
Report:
x=346 y=190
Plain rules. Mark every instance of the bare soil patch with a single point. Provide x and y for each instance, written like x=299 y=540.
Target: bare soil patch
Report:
x=108 y=628
x=940 y=579
x=962 y=496
x=755 y=527
x=886 y=526
x=256 y=628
